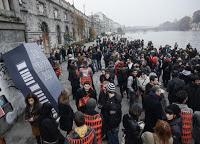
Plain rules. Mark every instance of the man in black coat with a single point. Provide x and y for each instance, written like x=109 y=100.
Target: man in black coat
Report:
x=112 y=114
x=99 y=56
x=153 y=108
x=153 y=81
x=193 y=90
x=174 y=85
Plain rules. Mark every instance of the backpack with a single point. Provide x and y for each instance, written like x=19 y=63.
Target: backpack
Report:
x=186 y=136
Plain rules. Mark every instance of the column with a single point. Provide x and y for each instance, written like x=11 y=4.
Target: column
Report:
x=1 y=4
x=6 y=5
x=16 y=7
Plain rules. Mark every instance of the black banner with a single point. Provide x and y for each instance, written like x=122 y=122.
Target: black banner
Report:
x=31 y=72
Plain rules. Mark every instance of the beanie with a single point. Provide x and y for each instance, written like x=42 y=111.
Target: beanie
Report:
x=111 y=87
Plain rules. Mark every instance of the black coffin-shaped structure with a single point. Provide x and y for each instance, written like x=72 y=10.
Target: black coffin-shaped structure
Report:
x=31 y=71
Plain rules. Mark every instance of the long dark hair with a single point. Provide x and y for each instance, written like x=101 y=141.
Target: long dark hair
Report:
x=33 y=96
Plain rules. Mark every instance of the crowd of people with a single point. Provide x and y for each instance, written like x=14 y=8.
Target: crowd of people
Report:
x=162 y=86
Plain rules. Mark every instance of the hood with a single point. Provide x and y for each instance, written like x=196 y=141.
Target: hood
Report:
x=186 y=72
x=184 y=107
x=81 y=131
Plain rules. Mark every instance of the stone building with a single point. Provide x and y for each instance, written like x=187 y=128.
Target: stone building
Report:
x=12 y=28
x=47 y=22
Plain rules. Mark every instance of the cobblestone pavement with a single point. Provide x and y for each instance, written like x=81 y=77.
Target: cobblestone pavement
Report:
x=20 y=133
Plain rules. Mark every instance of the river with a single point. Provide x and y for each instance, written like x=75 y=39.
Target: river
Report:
x=168 y=37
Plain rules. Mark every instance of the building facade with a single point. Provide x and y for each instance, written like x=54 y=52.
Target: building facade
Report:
x=47 y=22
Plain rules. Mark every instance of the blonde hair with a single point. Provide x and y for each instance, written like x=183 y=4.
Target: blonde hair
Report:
x=64 y=97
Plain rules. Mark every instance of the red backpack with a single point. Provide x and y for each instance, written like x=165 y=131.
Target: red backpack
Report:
x=186 y=136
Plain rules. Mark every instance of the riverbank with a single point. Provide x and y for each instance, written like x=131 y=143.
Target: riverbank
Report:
x=168 y=37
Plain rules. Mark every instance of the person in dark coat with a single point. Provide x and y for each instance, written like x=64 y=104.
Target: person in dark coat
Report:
x=196 y=127
x=153 y=81
x=174 y=120
x=63 y=53
x=48 y=126
x=122 y=77
x=112 y=114
x=167 y=67
x=83 y=95
x=193 y=90
x=131 y=127
x=74 y=79
x=99 y=56
x=107 y=56
x=57 y=56
x=153 y=108
x=32 y=112
x=132 y=86
x=65 y=112
x=174 y=85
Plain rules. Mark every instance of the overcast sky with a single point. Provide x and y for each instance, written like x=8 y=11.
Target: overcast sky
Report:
x=140 y=12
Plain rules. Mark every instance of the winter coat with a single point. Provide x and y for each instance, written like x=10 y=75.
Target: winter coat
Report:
x=102 y=98
x=82 y=93
x=66 y=117
x=112 y=112
x=173 y=87
x=33 y=113
x=193 y=96
x=132 y=84
x=99 y=55
x=148 y=88
x=176 y=128
x=49 y=130
x=167 y=68
x=153 y=111
x=132 y=130
x=196 y=127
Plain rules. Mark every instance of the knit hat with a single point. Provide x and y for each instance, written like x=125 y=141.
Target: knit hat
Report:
x=91 y=104
x=173 y=109
x=111 y=87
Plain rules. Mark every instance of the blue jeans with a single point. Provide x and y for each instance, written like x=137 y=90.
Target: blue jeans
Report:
x=95 y=65
x=113 y=136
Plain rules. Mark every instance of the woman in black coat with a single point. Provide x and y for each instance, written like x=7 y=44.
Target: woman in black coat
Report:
x=48 y=126
x=65 y=112
x=175 y=122
x=131 y=127
x=32 y=113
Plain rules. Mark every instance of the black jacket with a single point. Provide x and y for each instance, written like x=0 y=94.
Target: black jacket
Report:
x=193 y=96
x=82 y=93
x=66 y=117
x=112 y=113
x=49 y=131
x=153 y=111
x=173 y=87
x=132 y=130
x=196 y=127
